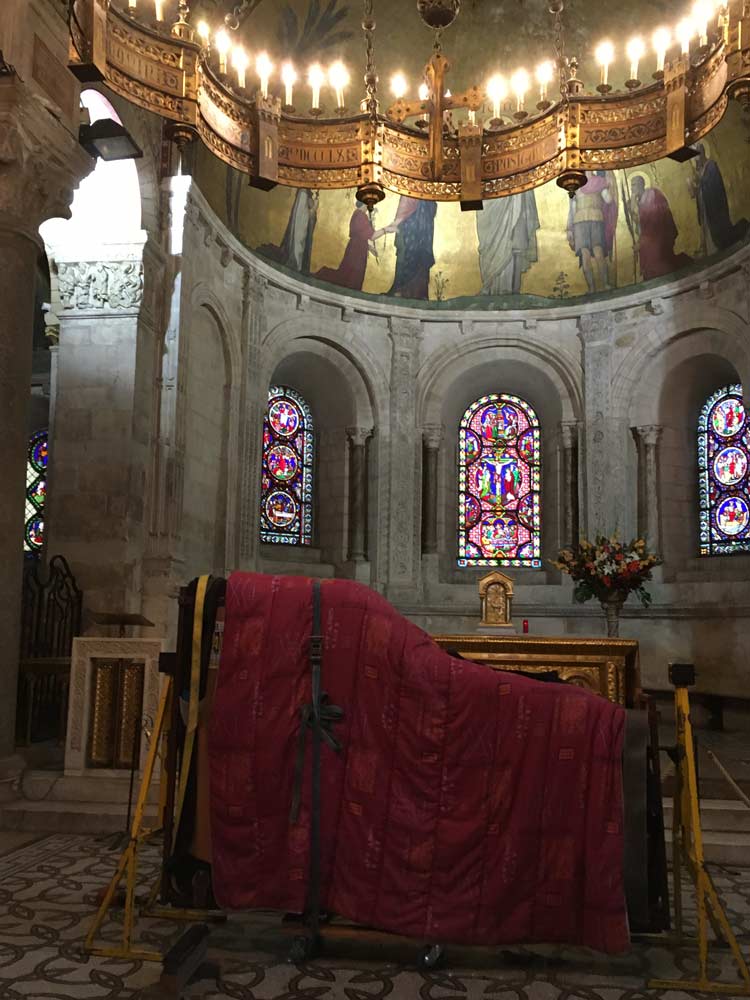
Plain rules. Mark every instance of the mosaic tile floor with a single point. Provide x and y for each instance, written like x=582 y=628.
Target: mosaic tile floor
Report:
x=47 y=891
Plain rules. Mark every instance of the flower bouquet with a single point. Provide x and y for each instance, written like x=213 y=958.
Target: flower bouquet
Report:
x=609 y=570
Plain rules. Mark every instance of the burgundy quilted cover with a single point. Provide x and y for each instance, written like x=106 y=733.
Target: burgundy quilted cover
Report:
x=468 y=805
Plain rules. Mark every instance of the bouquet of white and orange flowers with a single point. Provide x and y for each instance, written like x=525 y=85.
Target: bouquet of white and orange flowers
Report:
x=607 y=568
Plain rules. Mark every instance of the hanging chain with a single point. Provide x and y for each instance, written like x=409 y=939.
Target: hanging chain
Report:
x=371 y=77
x=556 y=9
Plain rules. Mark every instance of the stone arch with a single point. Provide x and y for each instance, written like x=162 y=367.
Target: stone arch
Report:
x=209 y=430
x=363 y=369
x=452 y=381
x=444 y=366
x=724 y=332
x=341 y=406
x=671 y=393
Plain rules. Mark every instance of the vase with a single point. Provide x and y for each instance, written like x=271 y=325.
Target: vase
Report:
x=611 y=608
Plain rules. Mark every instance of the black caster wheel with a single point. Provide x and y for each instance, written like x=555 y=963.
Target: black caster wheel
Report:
x=302 y=949
x=431 y=956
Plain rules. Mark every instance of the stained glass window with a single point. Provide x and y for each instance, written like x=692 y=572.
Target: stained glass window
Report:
x=287 y=479
x=36 y=492
x=498 y=475
x=723 y=481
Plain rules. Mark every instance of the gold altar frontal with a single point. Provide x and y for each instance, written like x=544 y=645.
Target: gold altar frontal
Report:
x=609 y=667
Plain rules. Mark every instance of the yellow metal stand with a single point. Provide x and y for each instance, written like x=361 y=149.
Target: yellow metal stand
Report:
x=128 y=865
x=687 y=851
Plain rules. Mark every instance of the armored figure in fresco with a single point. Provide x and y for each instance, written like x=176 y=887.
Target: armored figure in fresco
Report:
x=592 y=221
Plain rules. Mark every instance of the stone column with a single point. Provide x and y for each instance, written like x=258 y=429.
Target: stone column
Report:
x=433 y=437
x=649 y=497
x=570 y=519
x=604 y=492
x=358 y=492
x=405 y=460
x=40 y=165
x=252 y=410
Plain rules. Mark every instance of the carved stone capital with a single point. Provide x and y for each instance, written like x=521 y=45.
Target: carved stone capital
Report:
x=649 y=434
x=358 y=435
x=569 y=430
x=41 y=163
x=595 y=328
x=433 y=436
x=113 y=286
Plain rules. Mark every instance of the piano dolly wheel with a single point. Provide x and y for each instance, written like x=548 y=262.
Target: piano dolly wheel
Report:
x=431 y=956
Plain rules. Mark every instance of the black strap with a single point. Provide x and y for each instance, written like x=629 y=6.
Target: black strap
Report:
x=319 y=716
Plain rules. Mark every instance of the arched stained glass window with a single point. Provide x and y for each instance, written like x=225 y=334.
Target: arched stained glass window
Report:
x=287 y=479
x=723 y=480
x=498 y=475
x=36 y=492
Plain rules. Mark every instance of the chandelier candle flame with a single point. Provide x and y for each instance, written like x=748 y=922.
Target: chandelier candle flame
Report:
x=433 y=142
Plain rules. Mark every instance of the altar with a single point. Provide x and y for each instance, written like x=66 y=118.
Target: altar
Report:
x=609 y=667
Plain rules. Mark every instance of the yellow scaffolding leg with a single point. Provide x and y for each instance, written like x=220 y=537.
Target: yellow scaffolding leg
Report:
x=687 y=848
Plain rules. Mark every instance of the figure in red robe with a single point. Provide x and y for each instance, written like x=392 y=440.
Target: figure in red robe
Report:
x=657 y=231
x=351 y=271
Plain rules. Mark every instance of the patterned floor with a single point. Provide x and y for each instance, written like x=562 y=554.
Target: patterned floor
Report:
x=47 y=892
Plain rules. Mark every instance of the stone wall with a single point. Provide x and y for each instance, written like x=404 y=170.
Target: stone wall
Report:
x=617 y=385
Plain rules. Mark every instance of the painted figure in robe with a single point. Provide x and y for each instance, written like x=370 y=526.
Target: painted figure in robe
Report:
x=507 y=229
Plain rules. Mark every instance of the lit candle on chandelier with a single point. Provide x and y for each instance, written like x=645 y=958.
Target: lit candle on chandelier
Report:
x=497 y=91
x=159 y=9
x=604 y=55
x=661 y=41
x=315 y=78
x=288 y=78
x=338 y=78
x=204 y=32
x=424 y=92
x=240 y=62
x=399 y=85
x=132 y=5
x=520 y=84
x=685 y=31
x=472 y=117
x=544 y=74
x=703 y=11
x=264 y=68
x=634 y=52
x=223 y=45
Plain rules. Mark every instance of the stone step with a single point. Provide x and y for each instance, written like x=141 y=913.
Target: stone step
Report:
x=722 y=848
x=97 y=786
x=49 y=816
x=718 y=815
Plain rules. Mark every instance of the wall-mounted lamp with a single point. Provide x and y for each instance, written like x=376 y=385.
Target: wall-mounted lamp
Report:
x=110 y=140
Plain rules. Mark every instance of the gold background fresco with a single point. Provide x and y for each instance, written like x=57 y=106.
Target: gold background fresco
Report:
x=300 y=29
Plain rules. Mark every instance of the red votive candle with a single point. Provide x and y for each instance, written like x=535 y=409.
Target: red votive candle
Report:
x=526 y=626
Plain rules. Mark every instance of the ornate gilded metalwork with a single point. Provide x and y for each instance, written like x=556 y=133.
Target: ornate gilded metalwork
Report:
x=373 y=151
x=608 y=667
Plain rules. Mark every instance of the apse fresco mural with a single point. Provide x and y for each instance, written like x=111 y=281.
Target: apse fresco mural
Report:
x=621 y=229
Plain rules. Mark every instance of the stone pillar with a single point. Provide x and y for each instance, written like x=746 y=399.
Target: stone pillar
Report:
x=605 y=509
x=649 y=496
x=40 y=165
x=358 y=492
x=100 y=448
x=433 y=437
x=570 y=519
x=253 y=404
x=405 y=461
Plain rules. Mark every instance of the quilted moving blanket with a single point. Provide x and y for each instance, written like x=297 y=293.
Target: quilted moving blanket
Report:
x=466 y=805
